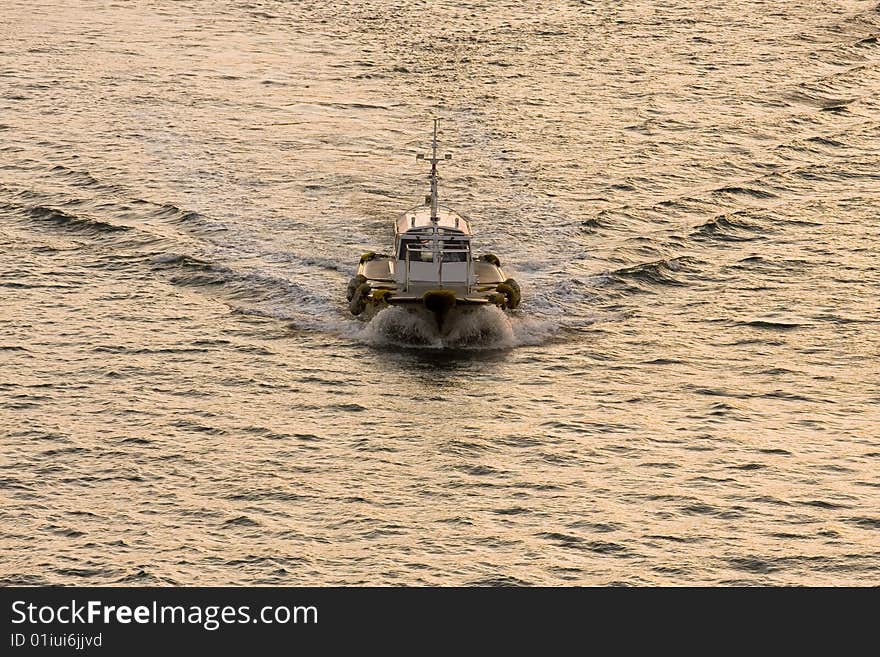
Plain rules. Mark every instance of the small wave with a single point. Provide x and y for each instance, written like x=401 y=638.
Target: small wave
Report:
x=592 y=224
x=608 y=218
x=658 y=272
x=177 y=215
x=143 y=578
x=78 y=178
x=254 y=292
x=185 y=261
x=782 y=267
x=839 y=108
x=817 y=97
x=325 y=263
x=162 y=210
x=348 y=106
x=498 y=581
x=23 y=580
x=72 y=221
x=728 y=228
x=745 y=191
x=241 y=521
x=822 y=141
x=84 y=572
x=866 y=523
x=771 y=325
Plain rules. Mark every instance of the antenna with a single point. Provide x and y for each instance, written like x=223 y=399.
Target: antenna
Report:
x=434 y=176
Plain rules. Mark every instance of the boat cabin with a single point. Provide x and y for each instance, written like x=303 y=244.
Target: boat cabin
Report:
x=433 y=253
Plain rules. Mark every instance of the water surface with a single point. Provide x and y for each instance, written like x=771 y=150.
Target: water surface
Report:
x=687 y=193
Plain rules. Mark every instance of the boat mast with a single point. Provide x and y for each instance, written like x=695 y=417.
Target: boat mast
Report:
x=434 y=177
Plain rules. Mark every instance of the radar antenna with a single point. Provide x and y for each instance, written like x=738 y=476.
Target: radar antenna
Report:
x=434 y=177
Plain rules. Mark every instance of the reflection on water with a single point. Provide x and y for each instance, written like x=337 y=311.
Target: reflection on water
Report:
x=687 y=193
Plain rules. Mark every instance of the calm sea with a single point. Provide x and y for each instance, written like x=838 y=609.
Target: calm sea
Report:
x=687 y=192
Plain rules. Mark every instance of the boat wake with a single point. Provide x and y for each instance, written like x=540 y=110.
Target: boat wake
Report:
x=484 y=328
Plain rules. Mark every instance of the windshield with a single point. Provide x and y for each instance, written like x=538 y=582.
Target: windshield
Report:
x=455 y=251
x=417 y=250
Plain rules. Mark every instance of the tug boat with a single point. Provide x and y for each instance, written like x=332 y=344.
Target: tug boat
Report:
x=432 y=267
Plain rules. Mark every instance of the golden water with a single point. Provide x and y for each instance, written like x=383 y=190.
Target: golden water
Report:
x=687 y=193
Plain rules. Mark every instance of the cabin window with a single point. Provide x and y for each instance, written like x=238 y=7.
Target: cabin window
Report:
x=419 y=250
x=455 y=251
x=422 y=252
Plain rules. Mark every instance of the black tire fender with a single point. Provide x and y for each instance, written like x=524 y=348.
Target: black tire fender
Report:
x=358 y=302
x=353 y=284
x=512 y=292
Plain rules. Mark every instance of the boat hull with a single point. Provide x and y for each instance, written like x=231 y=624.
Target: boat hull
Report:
x=377 y=286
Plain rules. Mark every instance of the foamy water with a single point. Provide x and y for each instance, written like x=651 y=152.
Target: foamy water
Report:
x=480 y=328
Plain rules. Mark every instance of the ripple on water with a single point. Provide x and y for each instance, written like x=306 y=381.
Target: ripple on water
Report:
x=683 y=397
